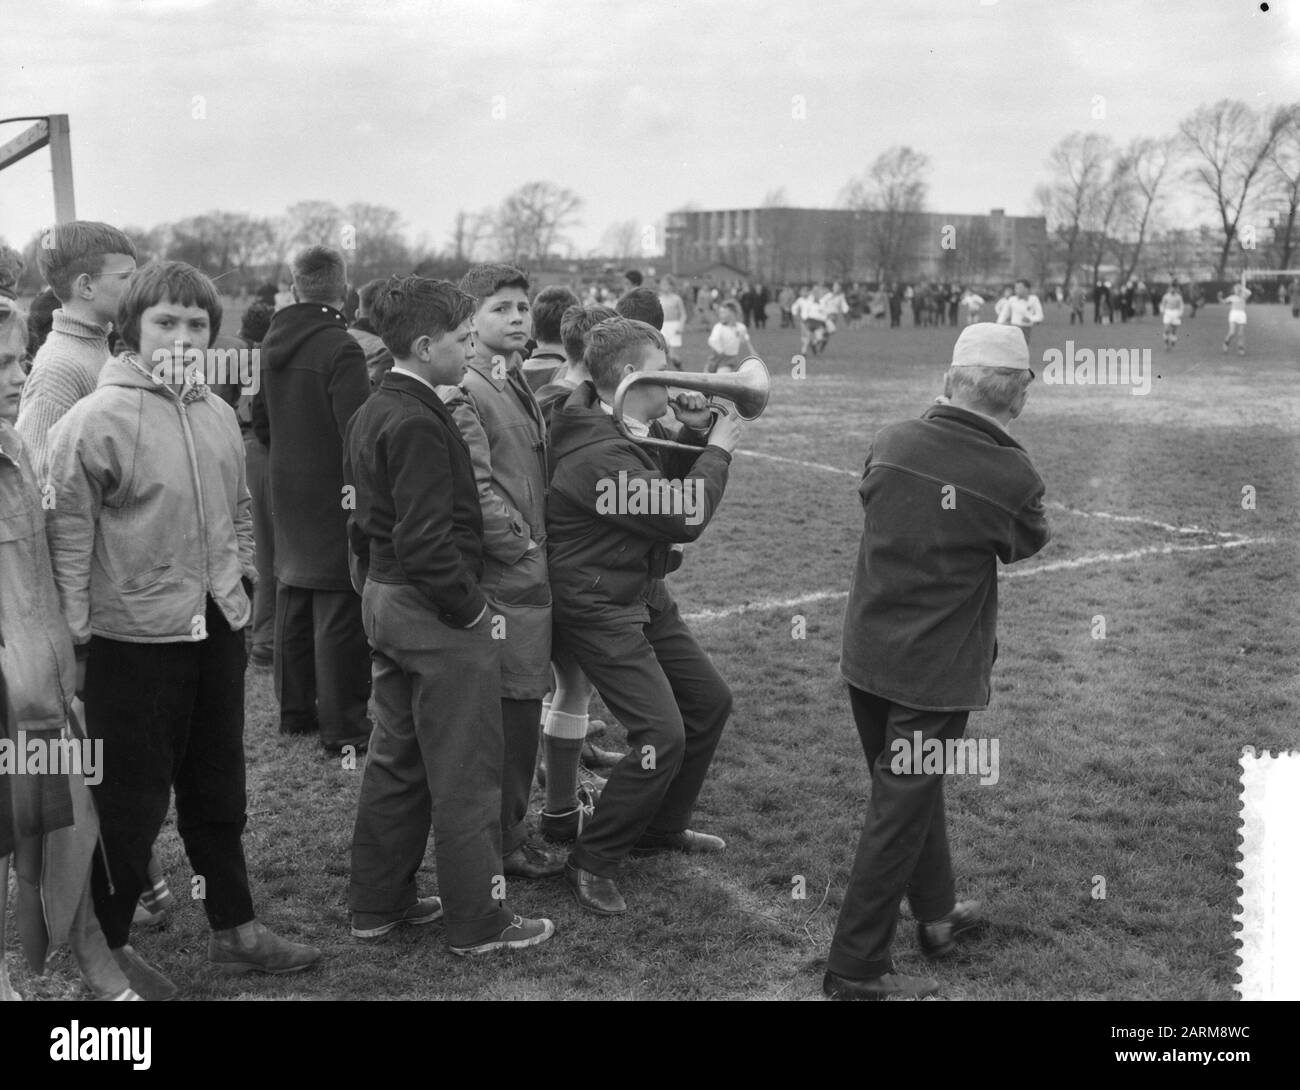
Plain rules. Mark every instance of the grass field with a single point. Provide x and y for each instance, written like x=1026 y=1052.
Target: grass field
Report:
x=1118 y=756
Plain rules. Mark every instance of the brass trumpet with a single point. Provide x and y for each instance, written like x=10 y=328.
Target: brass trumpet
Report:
x=747 y=389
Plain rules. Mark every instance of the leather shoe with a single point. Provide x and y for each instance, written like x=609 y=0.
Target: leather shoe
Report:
x=938 y=938
x=597 y=759
x=686 y=841
x=143 y=978
x=529 y=862
x=252 y=946
x=594 y=893
x=886 y=986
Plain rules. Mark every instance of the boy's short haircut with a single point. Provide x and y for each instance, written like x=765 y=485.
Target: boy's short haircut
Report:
x=731 y=306
x=171 y=282
x=257 y=320
x=577 y=323
x=1023 y=280
x=321 y=275
x=484 y=280
x=78 y=247
x=40 y=320
x=633 y=277
x=617 y=341
x=366 y=294
x=407 y=308
x=549 y=309
x=643 y=305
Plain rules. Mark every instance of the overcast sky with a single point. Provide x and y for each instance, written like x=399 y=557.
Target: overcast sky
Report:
x=638 y=107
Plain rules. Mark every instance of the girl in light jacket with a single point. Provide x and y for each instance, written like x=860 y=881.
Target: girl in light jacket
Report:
x=152 y=542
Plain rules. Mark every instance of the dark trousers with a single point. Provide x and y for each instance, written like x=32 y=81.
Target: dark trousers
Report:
x=170 y=715
x=322 y=664
x=521 y=729
x=435 y=759
x=257 y=469
x=904 y=843
x=663 y=688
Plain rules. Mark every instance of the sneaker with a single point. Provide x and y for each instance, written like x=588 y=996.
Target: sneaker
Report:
x=938 y=937
x=253 y=946
x=370 y=925
x=519 y=934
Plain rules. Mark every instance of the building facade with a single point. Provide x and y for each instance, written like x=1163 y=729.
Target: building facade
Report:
x=794 y=245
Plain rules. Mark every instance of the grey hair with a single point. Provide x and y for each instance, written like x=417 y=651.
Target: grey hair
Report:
x=996 y=389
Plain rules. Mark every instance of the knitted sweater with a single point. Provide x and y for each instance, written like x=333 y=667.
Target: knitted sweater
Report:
x=65 y=370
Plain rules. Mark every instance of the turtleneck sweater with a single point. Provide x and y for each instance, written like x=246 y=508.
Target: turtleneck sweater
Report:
x=65 y=370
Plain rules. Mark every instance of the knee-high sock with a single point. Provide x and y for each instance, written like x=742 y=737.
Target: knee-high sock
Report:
x=562 y=739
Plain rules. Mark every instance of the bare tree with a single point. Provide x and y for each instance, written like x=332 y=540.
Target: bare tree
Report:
x=1110 y=204
x=621 y=239
x=1149 y=162
x=373 y=242
x=469 y=232
x=893 y=193
x=1230 y=144
x=533 y=219
x=1284 y=180
x=1077 y=168
x=312 y=223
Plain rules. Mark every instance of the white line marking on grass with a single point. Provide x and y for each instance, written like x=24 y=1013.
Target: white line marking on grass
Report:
x=795 y=462
x=1166 y=526
x=765 y=604
x=1056 y=505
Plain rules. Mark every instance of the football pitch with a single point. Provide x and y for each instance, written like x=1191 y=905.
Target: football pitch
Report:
x=1152 y=639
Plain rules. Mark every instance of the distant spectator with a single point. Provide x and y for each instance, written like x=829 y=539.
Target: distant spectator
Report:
x=632 y=279
x=252 y=331
x=675 y=319
x=313 y=380
x=549 y=307
x=379 y=360
x=40 y=320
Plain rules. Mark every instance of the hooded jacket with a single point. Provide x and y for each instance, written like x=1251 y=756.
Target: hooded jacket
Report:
x=605 y=563
x=149 y=512
x=313 y=379
x=945 y=498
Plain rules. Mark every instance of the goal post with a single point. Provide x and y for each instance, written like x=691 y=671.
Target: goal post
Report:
x=51 y=131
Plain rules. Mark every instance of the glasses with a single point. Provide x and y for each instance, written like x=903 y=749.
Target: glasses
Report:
x=116 y=275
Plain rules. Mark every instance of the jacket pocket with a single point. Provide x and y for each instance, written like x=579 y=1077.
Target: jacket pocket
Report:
x=523 y=583
x=146 y=578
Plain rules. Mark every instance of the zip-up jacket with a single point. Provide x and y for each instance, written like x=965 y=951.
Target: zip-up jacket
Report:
x=150 y=512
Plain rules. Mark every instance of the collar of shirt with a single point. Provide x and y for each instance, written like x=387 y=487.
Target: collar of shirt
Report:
x=635 y=427
x=397 y=370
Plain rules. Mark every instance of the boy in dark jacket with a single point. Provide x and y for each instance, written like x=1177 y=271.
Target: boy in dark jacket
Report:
x=313 y=380
x=945 y=498
x=616 y=508
x=417 y=532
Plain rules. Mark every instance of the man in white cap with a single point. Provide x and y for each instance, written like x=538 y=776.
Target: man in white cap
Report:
x=945 y=497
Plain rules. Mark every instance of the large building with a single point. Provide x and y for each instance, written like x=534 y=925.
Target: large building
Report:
x=792 y=245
